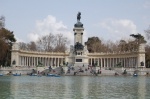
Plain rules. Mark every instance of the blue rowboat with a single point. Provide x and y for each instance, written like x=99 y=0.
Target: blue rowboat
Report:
x=53 y=75
x=16 y=74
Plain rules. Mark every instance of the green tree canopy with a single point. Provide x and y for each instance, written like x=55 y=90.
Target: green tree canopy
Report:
x=93 y=44
x=6 y=39
x=139 y=38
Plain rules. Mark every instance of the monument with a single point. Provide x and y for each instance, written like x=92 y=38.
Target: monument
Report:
x=78 y=52
x=78 y=55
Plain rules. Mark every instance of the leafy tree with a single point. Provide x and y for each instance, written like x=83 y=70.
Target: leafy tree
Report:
x=93 y=44
x=147 y=49
x=6 y=39
x=138 y=38
x=2 y=22
x=147 y=56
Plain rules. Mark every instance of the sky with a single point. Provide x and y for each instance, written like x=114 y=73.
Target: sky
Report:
x=107 y=19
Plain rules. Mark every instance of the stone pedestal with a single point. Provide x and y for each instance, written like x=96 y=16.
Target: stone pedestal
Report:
x=78 y=52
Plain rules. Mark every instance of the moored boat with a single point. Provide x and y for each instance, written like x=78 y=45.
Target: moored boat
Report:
x=135 y=75
x=33 y=75
x=53 y=75
x=17 y=74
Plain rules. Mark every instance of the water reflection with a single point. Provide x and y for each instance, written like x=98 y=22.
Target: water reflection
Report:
x=141 y=87
x=74 y=87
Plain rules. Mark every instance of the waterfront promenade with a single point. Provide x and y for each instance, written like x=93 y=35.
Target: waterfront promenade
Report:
x=75 y=71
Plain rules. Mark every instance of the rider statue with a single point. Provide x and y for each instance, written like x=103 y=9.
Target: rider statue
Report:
x=78 y=16
x=78 y=24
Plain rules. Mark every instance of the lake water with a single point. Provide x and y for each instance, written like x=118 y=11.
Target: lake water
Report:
x=74 y=87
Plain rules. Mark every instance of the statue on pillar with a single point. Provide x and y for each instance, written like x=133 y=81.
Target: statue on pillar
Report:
x=78 y=24
x=78 y=16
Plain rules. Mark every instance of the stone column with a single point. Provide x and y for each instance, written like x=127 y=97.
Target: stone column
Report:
x=19 y=60
x=107 y=62
x=27 y=61
x=37 y=59
x=141 y=55
x=61 y=61
x=104 y=62
x=98 y=61
x=55 y=62
x=91 y=61
x=52 y=61
x=58 y=61
x=22 y=60
x=101 y=62
x=129 y=62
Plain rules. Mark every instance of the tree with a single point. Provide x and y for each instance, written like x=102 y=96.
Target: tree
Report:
x=46 y=43
x=93 y=44
x=6 y=39
x=147 y=56
x=32 y=46
x=147 y=32
x=55 y=43
x=2 y=22
x=138 y=38
x=147 y=49
x=60 y=43
x=23 y=46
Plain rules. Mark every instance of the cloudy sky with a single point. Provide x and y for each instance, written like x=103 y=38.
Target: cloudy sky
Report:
x=107 y=19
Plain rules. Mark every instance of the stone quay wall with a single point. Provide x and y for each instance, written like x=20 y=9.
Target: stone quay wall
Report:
x=14 y=70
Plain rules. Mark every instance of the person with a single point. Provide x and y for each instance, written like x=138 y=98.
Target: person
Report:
x=100 y=71
x=78 y=16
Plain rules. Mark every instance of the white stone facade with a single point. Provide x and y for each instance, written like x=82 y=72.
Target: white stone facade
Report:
x=30 y=58
x=78 y=57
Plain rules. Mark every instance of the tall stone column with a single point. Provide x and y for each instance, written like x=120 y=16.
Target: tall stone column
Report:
x=101 y=62
x=141 y=55
x=104 y=62
x=98 y=61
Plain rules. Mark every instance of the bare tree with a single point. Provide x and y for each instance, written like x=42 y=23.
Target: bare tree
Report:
x=32 y=46
x=60 y=43
x=55 y=43
x=46 y=43
x=23 y=46
x=111 y=46
x=147 y=32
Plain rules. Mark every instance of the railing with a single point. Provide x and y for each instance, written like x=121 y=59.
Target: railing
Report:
x=17 y=68
x=112 y=53
x=41 y=52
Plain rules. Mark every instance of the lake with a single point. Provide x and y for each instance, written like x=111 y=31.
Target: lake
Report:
x=74 y=87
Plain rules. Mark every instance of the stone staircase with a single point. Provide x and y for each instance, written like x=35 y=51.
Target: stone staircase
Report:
x=80 y=71
x=57 y=70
